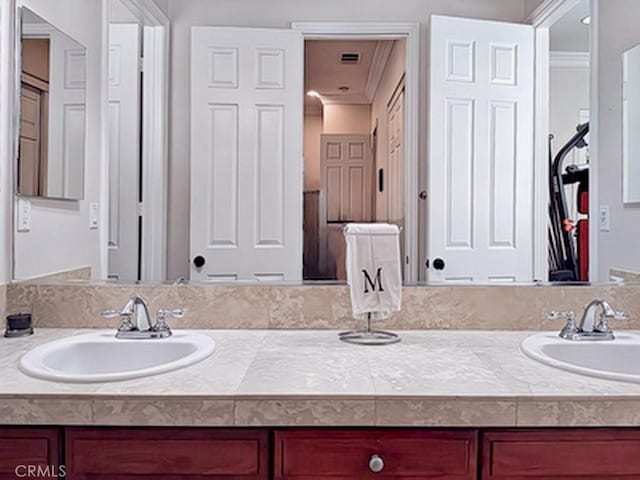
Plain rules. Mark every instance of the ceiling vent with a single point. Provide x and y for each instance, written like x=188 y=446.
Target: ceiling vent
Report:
x=350 y=58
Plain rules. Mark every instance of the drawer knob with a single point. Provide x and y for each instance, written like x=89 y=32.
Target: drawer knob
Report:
x=376 y=464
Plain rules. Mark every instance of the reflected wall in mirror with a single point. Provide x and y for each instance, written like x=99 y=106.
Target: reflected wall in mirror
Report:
x=631 y=125
x=53 y=112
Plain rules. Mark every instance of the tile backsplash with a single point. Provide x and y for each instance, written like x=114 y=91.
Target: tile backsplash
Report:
x=316 y=306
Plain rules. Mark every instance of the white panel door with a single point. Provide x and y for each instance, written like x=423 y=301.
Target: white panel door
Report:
x=395 y=164
x=347 y=177
x=124 y=150
x=67 y=107
x=481 y=152
x=246 y=154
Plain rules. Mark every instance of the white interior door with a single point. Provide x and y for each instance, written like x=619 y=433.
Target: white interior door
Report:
x=124 y=150
x=67 y=107
x=481 y=152
x=395 y=164
x=347 y=177
x=246 y=154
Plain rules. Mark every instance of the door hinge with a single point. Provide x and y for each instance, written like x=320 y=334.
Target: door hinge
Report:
x=406 y=259
x=141 y=64
x=140 y=209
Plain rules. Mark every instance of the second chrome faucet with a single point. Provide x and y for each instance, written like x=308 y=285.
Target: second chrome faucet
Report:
x=590 y=326
x=135 y=322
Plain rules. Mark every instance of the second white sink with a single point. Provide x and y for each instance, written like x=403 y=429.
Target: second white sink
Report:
x=614 y=360
x=100 y=357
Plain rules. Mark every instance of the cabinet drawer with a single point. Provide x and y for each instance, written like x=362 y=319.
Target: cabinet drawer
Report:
x=345 y=454
x=561 y=454
x=166 y=454
x=25 y=448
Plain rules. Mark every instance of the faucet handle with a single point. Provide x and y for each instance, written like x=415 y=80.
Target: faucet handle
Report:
x=175 y=313
x=125 y=323
x=569 y=316
x=621 y=316
x=570 y=329
x=161 y=319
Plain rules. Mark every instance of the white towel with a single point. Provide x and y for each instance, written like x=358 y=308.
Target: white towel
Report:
x=373 y=269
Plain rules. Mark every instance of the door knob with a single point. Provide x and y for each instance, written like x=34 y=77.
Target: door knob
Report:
x=422 y=195
x=439 y=264
x=376 y=464
x=199 y=261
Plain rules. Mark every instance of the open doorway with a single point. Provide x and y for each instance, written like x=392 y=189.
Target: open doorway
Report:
x=569 y=106
x=354 y=144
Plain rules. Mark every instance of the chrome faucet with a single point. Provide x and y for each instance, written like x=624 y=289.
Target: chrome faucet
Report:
x=590 y=327
x=135 y=321
x=137 y=309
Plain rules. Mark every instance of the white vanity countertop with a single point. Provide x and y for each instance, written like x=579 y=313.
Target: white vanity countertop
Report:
x=308 y=377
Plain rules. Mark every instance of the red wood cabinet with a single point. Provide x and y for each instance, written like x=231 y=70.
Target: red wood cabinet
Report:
x=166 y=454
x=26 y=451
x=346 y=454
x=320 y=454
x=589 y=454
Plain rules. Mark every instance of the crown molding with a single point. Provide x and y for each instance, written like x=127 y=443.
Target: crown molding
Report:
x=376 y=70
x=38 y=30
x=550 y=11
x=559 y=59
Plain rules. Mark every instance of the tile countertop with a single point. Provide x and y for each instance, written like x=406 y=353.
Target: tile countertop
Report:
x=296 y=378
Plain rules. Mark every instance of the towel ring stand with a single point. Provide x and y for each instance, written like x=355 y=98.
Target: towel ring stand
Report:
x=369 y=336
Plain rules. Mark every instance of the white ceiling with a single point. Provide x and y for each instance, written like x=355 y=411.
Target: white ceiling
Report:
x=325 y=73
x=569 y=34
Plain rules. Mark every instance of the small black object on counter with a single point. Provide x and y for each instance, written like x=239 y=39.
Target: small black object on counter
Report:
x=19 y=325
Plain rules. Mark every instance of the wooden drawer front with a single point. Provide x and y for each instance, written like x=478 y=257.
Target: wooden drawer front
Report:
x=561 y=454
x=27 y=447
x=166 y=454
x=316 y=454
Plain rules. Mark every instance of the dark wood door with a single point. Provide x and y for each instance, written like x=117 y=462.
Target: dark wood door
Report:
x=33 y=452
x=166 y=454
x=561 y=454
x=348 y=454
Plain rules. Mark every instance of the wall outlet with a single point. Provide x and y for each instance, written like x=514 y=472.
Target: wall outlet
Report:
x=604 y=218
x=94 y=216
x=24 y=215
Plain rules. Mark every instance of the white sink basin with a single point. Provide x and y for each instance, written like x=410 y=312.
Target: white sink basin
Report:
x=614 y=360
x=100 y=357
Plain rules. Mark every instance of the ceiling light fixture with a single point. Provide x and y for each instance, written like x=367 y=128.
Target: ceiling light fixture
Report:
x=313 y=93
x=586 y=20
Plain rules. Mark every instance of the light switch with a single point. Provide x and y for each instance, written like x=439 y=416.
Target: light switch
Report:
x=94 y=216
x=604 y=218
x=24 y=215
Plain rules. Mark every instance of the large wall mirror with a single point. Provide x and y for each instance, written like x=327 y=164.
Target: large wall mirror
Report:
x=279 y=137
x=51 y=158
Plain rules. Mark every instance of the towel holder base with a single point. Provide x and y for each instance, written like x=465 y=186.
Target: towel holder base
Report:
x=369 y=336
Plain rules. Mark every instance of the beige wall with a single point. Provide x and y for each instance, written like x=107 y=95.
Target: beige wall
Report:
x=393 y=72
x=312 y=132
x=568 y=94
x=280 y=13
x=617 y=32
x=346 y=119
